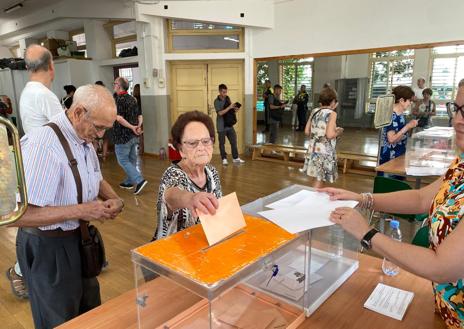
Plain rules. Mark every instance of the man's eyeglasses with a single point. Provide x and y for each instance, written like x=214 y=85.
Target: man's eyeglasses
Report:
x=97 y=128
x=191 y=144
x=454 y=109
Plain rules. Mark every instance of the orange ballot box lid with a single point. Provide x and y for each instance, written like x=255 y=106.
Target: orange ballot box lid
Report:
x=186 y=255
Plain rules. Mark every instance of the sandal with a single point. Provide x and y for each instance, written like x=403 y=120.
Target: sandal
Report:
x=17 y=283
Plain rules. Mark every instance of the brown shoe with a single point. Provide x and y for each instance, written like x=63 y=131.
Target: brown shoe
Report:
x=17 y=283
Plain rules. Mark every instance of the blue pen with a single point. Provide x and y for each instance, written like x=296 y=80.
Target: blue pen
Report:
x=275 y=270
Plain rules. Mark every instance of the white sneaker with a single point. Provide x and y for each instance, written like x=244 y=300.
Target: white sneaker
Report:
x=225 y=162
x=238 y=160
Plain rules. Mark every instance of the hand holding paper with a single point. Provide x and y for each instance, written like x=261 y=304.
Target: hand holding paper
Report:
x=202 y=202
x=304 y=210
x=227 y=220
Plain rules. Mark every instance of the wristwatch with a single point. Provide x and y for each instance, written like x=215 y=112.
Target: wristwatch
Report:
x=366 y=240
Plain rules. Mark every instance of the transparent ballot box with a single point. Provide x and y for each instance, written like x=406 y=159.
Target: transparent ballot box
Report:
x=333 y=255
x=430 y=152
x=257 y=278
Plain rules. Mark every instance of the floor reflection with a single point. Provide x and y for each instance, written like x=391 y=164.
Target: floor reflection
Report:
x=359 y=141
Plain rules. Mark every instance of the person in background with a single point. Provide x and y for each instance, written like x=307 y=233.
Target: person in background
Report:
x=424 y=109
x=418 y=96
x=67 y=100
x=301 y=100
x=126 y=131
x=321 y=158
x=108 y=137
x=266 y=93
x=37 y=105
x=224 y=108
x=394 y=137
x=276 y=112
x=5 y=106
x=192 y=184
x=136 y=94
x=442 y=262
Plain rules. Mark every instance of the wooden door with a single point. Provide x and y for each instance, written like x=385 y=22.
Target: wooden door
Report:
x=189 y=89
x=195 y=87
x=230 y=74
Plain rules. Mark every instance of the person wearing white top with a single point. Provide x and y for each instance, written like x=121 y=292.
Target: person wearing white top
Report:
x=38 y=104
x=419 y=89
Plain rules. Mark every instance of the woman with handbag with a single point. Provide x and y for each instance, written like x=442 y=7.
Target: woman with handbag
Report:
x=321 y=158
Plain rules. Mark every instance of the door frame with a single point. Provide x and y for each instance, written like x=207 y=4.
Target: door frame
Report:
x=172 y=63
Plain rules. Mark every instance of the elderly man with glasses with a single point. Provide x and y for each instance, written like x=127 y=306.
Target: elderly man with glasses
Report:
x=49 y=236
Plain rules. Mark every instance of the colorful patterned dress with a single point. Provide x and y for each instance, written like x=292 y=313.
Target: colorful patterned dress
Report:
x=445 y=213
x=321 y=158
x=389 y=151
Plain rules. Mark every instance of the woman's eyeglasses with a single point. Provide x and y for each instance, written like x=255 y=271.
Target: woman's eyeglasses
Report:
x=454 y=109
x=191 y=144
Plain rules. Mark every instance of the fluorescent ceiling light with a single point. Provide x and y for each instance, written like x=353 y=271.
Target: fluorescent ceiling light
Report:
x=231 y=39
x=13 y=8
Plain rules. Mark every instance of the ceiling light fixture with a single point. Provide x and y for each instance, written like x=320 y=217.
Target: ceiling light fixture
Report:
x=13 y=8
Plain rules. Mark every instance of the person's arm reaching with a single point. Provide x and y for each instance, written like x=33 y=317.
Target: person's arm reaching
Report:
x=204 y=202
x=401 y=202
x=441 y=266
x=394 y=137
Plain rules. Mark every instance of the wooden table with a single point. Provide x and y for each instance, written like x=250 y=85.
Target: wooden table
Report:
x=397 y=166
x=344 y=309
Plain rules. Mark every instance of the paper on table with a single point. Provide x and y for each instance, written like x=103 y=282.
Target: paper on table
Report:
x=291 y=200
x=389 y=301
x=298 y=264
x=309 y=210
x=227 y=220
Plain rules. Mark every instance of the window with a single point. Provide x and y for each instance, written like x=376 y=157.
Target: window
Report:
x=123 y=35
x=388 y=70
x=262 y=74
x=447 y=70
x=294 y=73
x=79 y=37
x=191 y=36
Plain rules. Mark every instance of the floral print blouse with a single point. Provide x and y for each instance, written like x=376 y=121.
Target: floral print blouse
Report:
x=445 y=213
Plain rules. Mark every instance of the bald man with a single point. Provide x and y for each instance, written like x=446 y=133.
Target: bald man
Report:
x=48 y=240
x=38 y=104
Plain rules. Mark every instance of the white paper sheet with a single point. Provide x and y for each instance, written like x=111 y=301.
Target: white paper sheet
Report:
x=389 y=301
x=304 y=211
x=291 y=200
x=298 y=264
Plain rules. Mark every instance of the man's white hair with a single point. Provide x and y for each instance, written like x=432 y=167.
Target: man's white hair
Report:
x=90 y=96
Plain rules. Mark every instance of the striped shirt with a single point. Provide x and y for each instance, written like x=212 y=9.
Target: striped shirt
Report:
x=49 y=179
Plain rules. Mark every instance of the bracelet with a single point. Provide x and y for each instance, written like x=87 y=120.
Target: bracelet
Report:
x=123 y=205
x=367 y=201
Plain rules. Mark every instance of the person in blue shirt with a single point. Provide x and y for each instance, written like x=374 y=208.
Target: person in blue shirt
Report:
x=394 y=136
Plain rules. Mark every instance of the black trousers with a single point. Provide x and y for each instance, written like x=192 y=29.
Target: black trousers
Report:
x=52 y=269
x=232 y=137
x=301 y=113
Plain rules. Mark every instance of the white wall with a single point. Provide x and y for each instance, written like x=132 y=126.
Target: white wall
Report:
x=421 y=66
x=326 y=69
x=318 y=26
x=256 y=12
x=5 y=52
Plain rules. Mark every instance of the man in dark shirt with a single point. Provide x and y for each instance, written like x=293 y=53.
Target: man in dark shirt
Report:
x=276 y=112
x=266 y=93
x=301 y=100
x=126 y=131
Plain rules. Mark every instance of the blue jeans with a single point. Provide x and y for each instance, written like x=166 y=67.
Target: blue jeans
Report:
x=127 y=159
